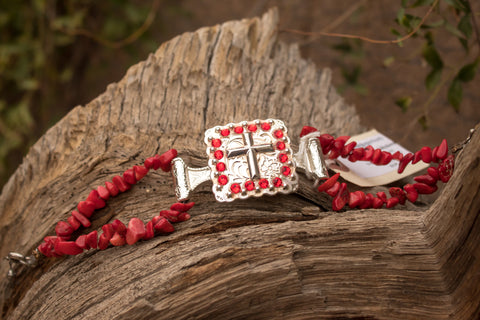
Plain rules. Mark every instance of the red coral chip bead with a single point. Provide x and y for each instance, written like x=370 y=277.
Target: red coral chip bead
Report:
x=182 y=207
x=404 y=162
x=135 y=231
x=426 y=153
x=277 y=182
x=235 y=188
x=183 y=216
x=427 y=179
x=398 y=193
x=356 y=199
x=73 y=222
x=377 y=203
x=329 y=182
x=152 y=163
x=263 y=183
x=397 y=155
x=278 y=134
x=347 y=149
x=411 y=193
x=95 y=198
x=386 y=158
x=118 y=240
x=216 y=143
x=238 y=129
x=433 y=172
x=417 y=157
x=376 y=156
x=140 y=172
x=445 y=169
x=367 y=156
x=103 y=242
x=63 y=229
x=225 y=132
x=119 y=227
x=340 y=142
x=149 y=231
x=306 y=130
x=163 y=226
x=368 y=203
x=252 y=128
x=334 y=154
x=280 y=145
x=249 y=185
x=357 y=154
x=67 y=248
x=92 y=239
x=283 y=157
x=166 y=160
x=112 y=189
x=285 y=170
x=342 y=197
x=221 y=166
x=423 y=188
x=108 y=230
x=103 y=192
x=46 y=249
x=129 y=176
x=442 y=150
x=382 y=196
x=434 y=154
x=265 y=126
x=332 y=191
x=326 y=141
x=170 y=215
x=392 y=202
x=121 y=184
x=82 y=242
x=222 y=179
x=81 y=218
x=218 y=154
x=86 y=208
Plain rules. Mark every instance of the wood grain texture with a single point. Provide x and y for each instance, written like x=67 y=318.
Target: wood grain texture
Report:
x=268 y=258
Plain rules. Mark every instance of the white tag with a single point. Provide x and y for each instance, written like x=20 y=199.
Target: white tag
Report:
x=365 y=173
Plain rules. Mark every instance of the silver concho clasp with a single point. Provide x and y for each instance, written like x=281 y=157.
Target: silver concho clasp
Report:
x=251 y=159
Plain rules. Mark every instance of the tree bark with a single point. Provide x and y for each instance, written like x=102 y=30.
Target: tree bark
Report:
x=272 y=258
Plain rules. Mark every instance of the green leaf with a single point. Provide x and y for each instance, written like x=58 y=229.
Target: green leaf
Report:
x=404 y=3
x=423 y=122
x=465 y=26
x=458 y=5
x=404 y=103
x=455 y=94
x=419 y=3
x=433 y=78
x=467 y=73
x=400 y=16
x=453 y=30
x=388 y=61
x=464 y=43
x=432 y=57
x=398 y=34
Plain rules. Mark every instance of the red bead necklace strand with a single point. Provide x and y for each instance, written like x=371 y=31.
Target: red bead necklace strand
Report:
x=115 y=233
x=425 y=184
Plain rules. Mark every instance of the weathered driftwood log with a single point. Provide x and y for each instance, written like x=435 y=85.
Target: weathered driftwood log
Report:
x=272 y=258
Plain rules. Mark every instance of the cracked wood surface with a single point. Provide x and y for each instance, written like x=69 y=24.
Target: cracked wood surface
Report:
x=268 y=258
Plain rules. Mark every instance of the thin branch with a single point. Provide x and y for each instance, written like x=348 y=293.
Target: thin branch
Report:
x=121 y=43
x=366 y=39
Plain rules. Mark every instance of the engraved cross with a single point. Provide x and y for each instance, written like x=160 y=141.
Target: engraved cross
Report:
x=250 y=150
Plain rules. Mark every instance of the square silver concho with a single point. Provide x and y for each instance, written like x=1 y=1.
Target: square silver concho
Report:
x=250 y=158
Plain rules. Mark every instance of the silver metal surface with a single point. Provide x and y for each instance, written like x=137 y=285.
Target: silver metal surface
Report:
x=310 y=158
x=186 y=179
x=15 y=259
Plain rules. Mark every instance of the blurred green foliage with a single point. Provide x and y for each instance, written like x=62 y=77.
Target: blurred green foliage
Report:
x=44 y=48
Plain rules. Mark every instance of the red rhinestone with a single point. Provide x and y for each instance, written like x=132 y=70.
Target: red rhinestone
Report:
x=220 y=166
x=225 y=132
x=282 y=157
x=218 y=154
x=263 y=183
x=252 y=128
x=238 y=129
x=278 y=134
x=222 y=179
x=286 y=171
x=277 y=182
x=280 y=145
x=266 y=126
x=216 y=143
x=249 y=185
x=235 y=188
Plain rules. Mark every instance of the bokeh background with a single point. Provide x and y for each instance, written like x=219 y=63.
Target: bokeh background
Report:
x=55 y=55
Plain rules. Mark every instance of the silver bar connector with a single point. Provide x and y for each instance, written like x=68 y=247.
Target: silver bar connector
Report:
x=186 y=179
